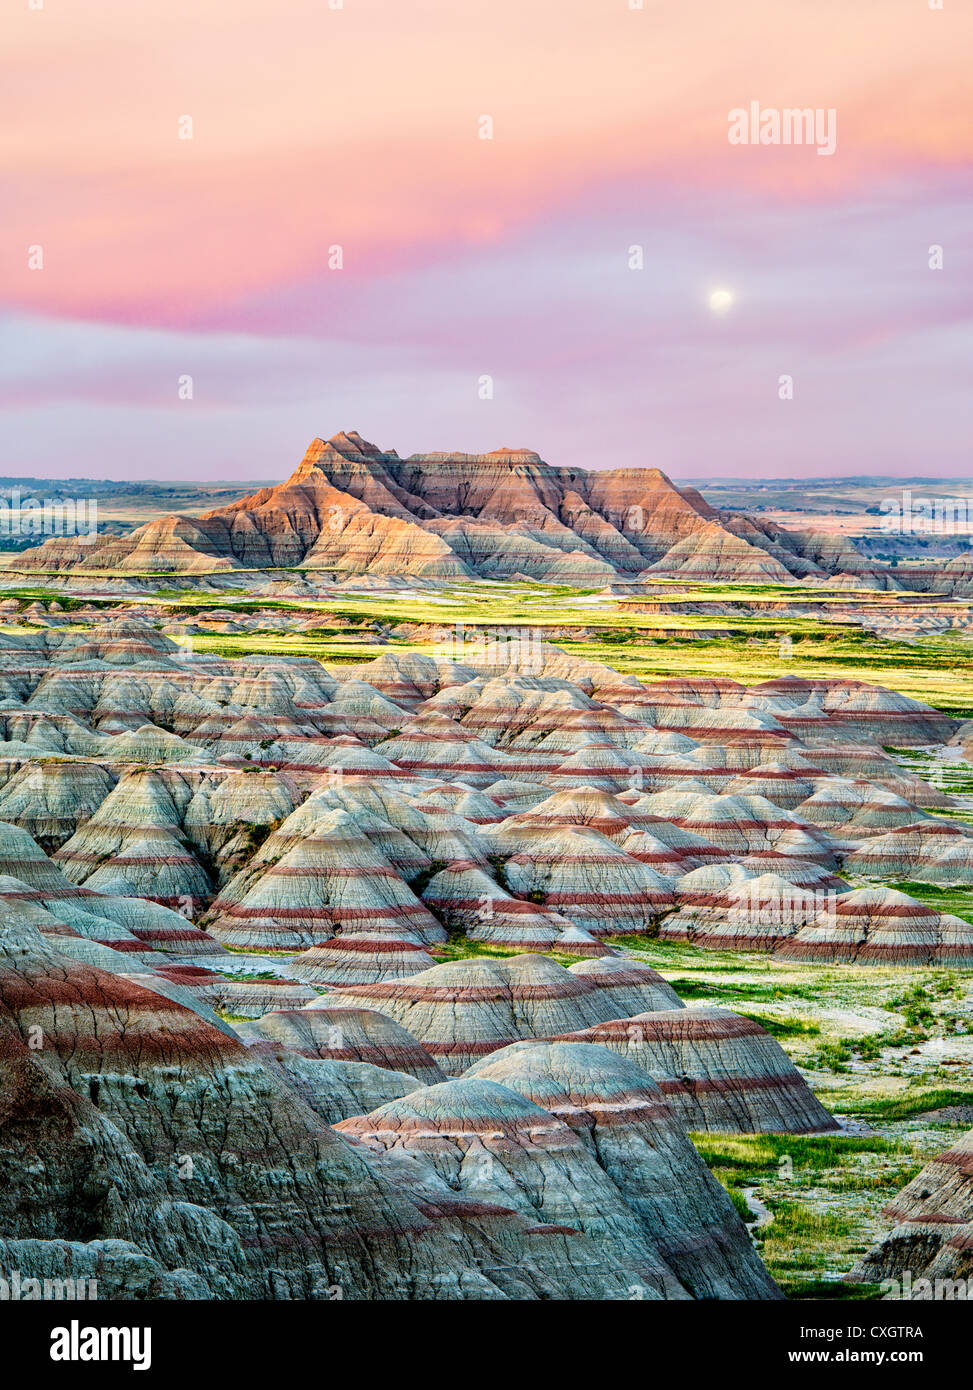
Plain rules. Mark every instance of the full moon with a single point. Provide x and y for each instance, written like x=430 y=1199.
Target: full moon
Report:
x=720 y=301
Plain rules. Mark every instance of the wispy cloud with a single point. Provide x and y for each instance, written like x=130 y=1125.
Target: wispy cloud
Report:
x=460 y=256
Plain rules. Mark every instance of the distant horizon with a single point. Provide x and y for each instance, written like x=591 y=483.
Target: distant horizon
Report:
x=697 y=480
x=240 y=483
x=486 y=222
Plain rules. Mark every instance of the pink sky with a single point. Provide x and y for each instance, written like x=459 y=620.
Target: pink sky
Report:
x=465 y=257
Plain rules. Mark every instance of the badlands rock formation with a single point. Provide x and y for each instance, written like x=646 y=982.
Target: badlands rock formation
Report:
x=463 y=1010
x=351 y=508
x=332 y=1030
x=717 y=1070
x=288 y=809
x=932 y=1238
x=359 y=958
x=581 y=1139
x=882 y=926
x=628 y=986
x=482 y=1138
x=234 y=1191
x=245 y=903
x=625 y=1122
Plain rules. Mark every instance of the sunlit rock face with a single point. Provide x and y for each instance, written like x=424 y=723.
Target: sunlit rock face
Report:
x=351 y=508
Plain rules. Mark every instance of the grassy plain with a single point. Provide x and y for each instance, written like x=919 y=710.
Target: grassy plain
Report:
x=883 y=1048
x=732 y=631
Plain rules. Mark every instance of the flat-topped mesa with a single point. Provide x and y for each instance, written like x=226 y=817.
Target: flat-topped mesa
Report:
x=352 y=508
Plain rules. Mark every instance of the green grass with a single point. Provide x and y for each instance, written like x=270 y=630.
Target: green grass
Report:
x=798 y=1229
x=745 y=991
x=460 y=947
x=329 y=651
x=823 y=1192
x=936 y=670
x=955 y=900
x=836 y=1290
x=747 y=1160
x=248 y=975
x=742 y=643
x=780 y=1027
x=740 y=1202
x=905 y=1107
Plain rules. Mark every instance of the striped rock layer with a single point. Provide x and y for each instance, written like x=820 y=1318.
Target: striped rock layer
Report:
x=717 y=1070
x=463 y=1010
x=282 y=805
x=932 y=1239
x=241 y=1189
x=626 y=1124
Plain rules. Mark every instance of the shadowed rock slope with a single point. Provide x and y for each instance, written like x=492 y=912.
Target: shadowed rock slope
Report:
x=623 y=1120
x=933 y=1235
x=141 y=1144
x=144 y=1147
